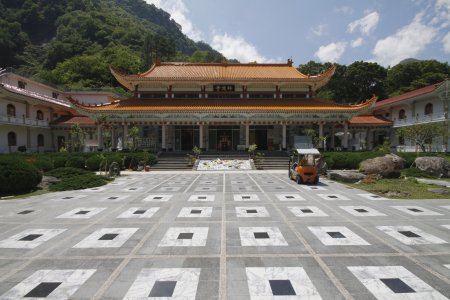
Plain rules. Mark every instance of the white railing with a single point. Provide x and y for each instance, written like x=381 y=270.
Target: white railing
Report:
x=420 y=120
x=36 y=95
x=23 y=121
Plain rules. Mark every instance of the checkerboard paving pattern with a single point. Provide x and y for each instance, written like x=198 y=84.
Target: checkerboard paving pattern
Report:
x=138 y=213
x=82 y=213
x=337 y=236
x=261 y=236
x=410 y=235
x=252 y=212
x=107 y=238
x=185 y=237
x=307 y=211
x=30 y=238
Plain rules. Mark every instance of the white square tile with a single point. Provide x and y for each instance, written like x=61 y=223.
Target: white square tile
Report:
x=362 y=211
x=70 y=281
x=81 y=213
x=242 y=189
x=133 y=189
x=371 y=277
x=158 y=198
x=307 y=211
x=259 y=286
x=177 y=182
x=372 y=197
x=333 y=197
x=312 y=187
x=138 y=212
x=416 y=210
x=208 y=182
x=240 y=182
x=173 y=237
x=245 y=197
x=252 y=212
x=290 y=197
x=202 y=198
x=205 y=189
x=30 y=238
x=95 y=240
x=446 y=226
x=342 y=236
x=70 y=197
x=447 y=266
x=195 y=212
x=185 y=287
x=114 y=198
x=169 y=189
x=421 y=238
x=273 y=237
x=446 y=207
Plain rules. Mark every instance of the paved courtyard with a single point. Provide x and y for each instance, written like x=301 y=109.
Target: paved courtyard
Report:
x=223 y=235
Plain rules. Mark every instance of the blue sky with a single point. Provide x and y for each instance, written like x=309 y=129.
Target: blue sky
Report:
x=342 y=31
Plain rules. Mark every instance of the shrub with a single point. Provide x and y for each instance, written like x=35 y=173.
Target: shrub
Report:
x=416 y=172
x=75 y=162
x=66 y=172
x=43 y=163
x=79 y=182
x=60 y=161
x=17 y=175
x=93 y=163
x=348 y=160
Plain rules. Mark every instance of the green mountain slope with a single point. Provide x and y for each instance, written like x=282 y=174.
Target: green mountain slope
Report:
x=72 y=42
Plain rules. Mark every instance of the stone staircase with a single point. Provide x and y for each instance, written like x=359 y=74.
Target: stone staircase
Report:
x=177 y=160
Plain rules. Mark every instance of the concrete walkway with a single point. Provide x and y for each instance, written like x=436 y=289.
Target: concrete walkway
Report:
x=223 y=235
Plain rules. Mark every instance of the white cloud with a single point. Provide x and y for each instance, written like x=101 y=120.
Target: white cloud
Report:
x=237 y=47
x=179 y=12
x=366 y=25
x=442 y=8
x=347 y=10
x=331 y=52
x=446 y=43
x=320 y=30
x=357 y=43
x=407 y=42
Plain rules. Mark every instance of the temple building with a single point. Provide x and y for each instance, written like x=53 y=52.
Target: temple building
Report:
x=225 y=107
x=216 y=107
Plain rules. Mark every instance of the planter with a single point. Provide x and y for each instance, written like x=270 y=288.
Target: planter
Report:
x=147 y=168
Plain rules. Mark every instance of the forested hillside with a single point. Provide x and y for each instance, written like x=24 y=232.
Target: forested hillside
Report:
x=72 y=42
x=360 y=80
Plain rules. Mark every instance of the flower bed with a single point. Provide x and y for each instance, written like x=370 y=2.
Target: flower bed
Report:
x=223 y=165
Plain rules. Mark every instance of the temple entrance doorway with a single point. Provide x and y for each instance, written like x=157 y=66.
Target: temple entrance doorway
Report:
x=223 y=138
x=186 y=137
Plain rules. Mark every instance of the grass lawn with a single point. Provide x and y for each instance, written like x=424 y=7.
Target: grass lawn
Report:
x=401 y=189
x=26 y=195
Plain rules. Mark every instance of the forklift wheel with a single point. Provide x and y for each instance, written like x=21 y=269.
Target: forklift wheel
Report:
x=298 y=179
x=316 y=180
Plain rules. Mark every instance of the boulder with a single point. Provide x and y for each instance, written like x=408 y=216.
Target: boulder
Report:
x=436 y=166
x=47 y=180
x=388 y=166
x=351 y=176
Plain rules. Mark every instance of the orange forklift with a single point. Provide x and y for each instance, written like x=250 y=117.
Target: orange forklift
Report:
x=303 y=167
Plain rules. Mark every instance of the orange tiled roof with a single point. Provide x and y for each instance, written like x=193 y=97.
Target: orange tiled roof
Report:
x=235 y=105
x=370 y=120
x=72 y=120
x=220 y=72
x=408 y=95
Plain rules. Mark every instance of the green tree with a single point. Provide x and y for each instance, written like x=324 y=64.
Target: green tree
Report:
x=316 y=140
x=364 y=79
x=134 y=135
x=76 y=138
x=422 y=134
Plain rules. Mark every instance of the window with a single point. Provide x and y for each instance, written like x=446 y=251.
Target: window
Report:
x=429 y=109
x=39 y=115
x=401 y=140
x=401 y=114
x=11 y=110
x=12 y=139
x=55 y=95
x=40 y=140
x=21 y=84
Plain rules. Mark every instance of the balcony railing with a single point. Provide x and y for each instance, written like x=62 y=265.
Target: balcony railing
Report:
x=438 y=117
x=23 y=121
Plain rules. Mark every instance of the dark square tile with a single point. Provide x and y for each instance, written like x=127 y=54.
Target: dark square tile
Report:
x=409 y=234
x=67 y=197
x=30 y=237
x=245 y=197
x=196 y=211
x=332 y=196
x=282 y=288
x=163 y=289
x=108 y=237
x=82 y=212
x=361 y=210
x=313 y=188
x=415 y=210
x=252 y=211
x=289 y=197
x=336 y=235
x=397 y=285
x=185 y=236
x=201 y=198
x=306 y=211
x=113 y=198
x=139 y=212
x=157 y=198
x=375 y=196
x=25 y=212
x=261 y=235
x=132 y=189
x=43 y=289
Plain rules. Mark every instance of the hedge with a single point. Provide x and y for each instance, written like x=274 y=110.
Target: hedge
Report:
x=79 y=182
x=348 y=160
x=17 y=176
x=76 y=162
x=93 y=163
x=66 y=172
